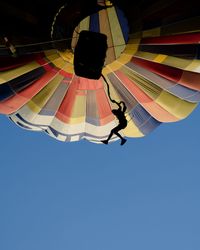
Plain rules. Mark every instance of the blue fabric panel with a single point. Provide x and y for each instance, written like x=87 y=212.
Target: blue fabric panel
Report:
x=92 y=121
x=194 y=98
x=143 y=120
x=124 y=23
x=16 y=85
x=198 y=52
x=5 y=92
x=94 y=23
x=185 y=93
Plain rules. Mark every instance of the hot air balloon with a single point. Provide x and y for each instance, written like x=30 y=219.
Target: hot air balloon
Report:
x=151 y=63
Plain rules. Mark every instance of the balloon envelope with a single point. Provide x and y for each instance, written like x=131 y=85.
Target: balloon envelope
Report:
x=152 y=64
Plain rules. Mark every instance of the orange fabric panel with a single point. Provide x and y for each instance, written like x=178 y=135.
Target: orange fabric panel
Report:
x=190 y=80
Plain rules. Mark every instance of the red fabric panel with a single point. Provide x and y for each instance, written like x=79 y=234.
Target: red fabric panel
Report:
x=66 y=74
x=8 y=63
x=89 y=84
x=190 y=80
x=170 y=73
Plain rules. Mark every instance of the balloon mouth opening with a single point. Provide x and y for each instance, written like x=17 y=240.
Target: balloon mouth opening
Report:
x=111 y=22
x=108 y=20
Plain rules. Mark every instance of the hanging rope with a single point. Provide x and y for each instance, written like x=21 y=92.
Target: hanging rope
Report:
x=108 y=91
x=110 y=98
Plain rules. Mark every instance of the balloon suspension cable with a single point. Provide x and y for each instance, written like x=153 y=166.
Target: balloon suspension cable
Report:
x=109 y=95
x=68 y=39
x=108 y=91
x=52 y=42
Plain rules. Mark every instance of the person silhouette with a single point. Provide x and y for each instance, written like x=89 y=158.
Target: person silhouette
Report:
x=120 y=114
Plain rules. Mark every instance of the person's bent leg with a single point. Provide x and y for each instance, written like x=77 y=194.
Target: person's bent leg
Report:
x=116 y=130
x=111 y=134
x=109 y=137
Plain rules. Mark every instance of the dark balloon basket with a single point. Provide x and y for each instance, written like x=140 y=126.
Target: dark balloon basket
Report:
x=90 y=53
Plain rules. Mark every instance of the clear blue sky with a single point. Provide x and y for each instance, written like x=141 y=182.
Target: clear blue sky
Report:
x=82 y=196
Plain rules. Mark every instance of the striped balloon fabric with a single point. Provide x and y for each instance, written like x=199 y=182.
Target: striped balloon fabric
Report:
x=154 y=71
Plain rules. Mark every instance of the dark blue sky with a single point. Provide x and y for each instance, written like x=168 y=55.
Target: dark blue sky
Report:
x=82 y=196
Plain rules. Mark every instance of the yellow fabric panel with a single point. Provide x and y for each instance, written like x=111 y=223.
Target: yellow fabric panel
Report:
x=14 y=73
x=67 y=55
x=125 y=57
x=146 y=55
x=111 y=67
x=174 y=105
x=85 y=24
x=59 y=63
x=77 y=120
x=184 y=64
x=69 y=68
x=194 y=66
x=52 y=56
x=117 y=64
x=108 y=3
x=117 y=35
x=146 y=86
x=79 y=110
x=132 y=130
x=160 y=58
x=63 y=60
x=75 y=37
x=105 y=29
x=151 y=33
x=43 y=96
x=132 y=46
x=177 y=62
x=49 y=53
